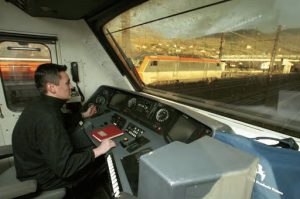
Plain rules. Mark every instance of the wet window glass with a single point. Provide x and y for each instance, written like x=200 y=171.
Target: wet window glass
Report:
x=239 y=58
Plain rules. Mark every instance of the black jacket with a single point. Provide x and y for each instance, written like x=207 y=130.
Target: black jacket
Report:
x=42 y=147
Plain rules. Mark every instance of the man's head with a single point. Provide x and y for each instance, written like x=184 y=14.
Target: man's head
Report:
x=52 y=80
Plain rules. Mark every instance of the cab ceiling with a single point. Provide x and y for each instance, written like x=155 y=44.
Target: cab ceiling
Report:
x=67 y=9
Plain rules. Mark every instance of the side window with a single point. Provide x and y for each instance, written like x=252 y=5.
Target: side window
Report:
x=152 y=66
x=153 y=63
x=18 y=62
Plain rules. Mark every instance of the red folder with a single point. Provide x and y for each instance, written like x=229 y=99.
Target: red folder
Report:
x=107 y=132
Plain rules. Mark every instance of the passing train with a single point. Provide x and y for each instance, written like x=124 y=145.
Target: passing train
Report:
x=189 y=126
x=157 y=69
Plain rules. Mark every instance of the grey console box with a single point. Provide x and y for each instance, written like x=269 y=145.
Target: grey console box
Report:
x=205 y=168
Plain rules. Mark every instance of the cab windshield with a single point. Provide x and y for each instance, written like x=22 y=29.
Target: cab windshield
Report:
x=238 y=58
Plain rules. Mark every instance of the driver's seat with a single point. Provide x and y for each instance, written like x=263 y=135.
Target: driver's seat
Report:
x=11 y=187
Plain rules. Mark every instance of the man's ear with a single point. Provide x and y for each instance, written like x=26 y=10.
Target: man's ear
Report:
x=51 y=88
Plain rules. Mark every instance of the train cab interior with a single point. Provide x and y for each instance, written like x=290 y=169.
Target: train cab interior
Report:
x=200 y=96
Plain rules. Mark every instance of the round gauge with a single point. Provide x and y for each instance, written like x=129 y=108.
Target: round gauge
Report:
x=162 y=115
x=105 y=92
x=131 y=103
x=100 y=100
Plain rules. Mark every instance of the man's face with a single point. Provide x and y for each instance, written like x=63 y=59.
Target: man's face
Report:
x=63 y=89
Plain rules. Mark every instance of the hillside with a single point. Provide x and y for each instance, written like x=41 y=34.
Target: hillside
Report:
x=243 y=42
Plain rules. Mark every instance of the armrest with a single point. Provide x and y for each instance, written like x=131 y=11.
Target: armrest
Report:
x=18 y=189
x=6 y=151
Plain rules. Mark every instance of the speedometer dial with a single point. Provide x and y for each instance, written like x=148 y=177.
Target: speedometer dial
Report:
x=100 y=100
x=131 y=103
x=162 y=115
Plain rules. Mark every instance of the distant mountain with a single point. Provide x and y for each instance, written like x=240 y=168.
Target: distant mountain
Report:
x=241 y=42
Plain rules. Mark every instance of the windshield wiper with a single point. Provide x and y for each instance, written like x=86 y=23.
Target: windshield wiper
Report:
x=127 y=60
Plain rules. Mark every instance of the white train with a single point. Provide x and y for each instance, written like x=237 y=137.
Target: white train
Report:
x=160 y=69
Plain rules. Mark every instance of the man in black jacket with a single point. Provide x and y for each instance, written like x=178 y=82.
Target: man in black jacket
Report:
x=41 y=144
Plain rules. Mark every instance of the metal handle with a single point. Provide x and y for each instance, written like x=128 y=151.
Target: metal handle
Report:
x=1 y=114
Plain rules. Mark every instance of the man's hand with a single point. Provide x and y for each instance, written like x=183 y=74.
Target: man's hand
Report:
x=89 y=112
x=105 y=146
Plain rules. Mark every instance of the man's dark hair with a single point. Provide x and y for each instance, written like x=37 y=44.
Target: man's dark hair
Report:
x=47 y=73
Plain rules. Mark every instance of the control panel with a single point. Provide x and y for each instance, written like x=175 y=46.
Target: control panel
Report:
x=147 y=124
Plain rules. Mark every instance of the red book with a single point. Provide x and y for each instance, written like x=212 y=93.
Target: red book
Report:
x=109 y=131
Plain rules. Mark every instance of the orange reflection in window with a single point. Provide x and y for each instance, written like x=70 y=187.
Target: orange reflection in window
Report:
x=18 y=70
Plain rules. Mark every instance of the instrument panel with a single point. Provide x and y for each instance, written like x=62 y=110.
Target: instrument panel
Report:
x=153 y=114
x=147 y=123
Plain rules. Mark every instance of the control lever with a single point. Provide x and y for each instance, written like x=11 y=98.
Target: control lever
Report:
x=124 y=143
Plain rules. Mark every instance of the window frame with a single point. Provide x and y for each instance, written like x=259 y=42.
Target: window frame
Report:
x=97 y=25
x=48 y=41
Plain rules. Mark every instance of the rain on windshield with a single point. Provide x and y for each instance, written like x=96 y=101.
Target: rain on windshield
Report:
x=241 y=54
